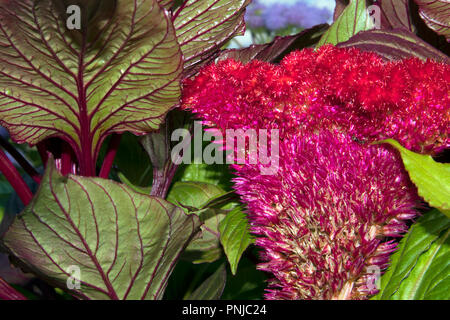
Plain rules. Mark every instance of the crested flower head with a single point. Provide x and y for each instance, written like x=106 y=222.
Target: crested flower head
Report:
x=327 y=217
x=353 y=91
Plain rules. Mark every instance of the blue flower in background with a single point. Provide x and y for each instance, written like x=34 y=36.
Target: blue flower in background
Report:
x=275 y=16
x=253 y=15
x=279 y=15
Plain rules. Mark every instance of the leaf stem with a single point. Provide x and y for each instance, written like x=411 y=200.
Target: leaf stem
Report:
x=67 y=159
x=21 y=160
x=9 y=293
x=14 y=178
x=113 y=146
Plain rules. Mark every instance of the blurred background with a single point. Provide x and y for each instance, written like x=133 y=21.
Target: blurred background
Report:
x=266 y=19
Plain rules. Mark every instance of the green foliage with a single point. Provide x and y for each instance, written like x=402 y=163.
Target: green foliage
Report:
x=235 y=236
x=5 y=194
x=212 y=287
x=352 y=20
x=420 y=268
x=431 y=178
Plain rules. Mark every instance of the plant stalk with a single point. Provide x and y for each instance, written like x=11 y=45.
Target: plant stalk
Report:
x=15 y=179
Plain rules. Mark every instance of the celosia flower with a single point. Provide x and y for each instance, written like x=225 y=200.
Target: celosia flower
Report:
x=325 y=216
x=356 y=92
x=329 y=213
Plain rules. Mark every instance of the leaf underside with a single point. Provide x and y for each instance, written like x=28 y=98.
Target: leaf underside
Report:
x=202 y=26
x=436 y=14
x=119 y=72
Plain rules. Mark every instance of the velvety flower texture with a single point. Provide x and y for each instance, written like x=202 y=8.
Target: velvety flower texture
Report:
x=353 y=91
x=329 y=214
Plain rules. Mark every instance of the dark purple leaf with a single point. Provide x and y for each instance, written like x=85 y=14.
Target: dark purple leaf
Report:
x=436 y=14
x=9 y=293
x=394 y=44
x=276 y=49
x=396 y=14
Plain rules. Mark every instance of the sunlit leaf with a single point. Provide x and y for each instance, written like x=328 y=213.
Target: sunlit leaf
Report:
x=431 y=178
x=119 y=72
x=353 y=19
x=202 y=26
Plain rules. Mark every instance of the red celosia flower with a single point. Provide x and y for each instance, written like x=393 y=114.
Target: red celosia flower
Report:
x=328 y=213
x=347 y=89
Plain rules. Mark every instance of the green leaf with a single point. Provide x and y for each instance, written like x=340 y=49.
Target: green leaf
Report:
x=195 y=195
x=212 y=287
x=235 y=236
x=353 y=19
x=203 y=26
x=248 y=283
x=124 y=243
x=144 y=190
x=217 y=174
x=131 y=161
x=84 y=84
x=420 y=267
x=394 y=44
x=431 y=178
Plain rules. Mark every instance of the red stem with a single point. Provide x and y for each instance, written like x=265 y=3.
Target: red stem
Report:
x=9 y=293
x=42 y=149
x=21 y=160
x=66 y=159
x=15 y=179
x=113 y=146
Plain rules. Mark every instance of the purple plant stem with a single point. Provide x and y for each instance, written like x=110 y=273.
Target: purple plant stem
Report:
x=15 y=179
x=67 y=159
x=162 y=179
x=43 y=152
x=113 y=146
x=21 y=160
x=9 y=293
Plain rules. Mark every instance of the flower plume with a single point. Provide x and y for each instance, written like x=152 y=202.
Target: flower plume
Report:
x=330 y=212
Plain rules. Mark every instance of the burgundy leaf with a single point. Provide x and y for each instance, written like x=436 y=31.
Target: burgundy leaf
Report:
x=394 y=44
x=436 y=14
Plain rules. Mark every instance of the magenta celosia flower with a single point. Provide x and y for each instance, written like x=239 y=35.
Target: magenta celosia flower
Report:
x=325 y=216
x=330 y=212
